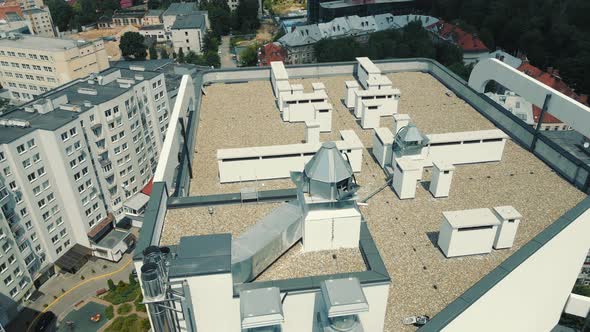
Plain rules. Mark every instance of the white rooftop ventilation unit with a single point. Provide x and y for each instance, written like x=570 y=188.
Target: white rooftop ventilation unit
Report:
x=261 y=309
x=15 y=123
x=344 y=299
x=87 y=91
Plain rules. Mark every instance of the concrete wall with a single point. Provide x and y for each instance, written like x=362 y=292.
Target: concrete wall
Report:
x=532 y=296
x=168 y=160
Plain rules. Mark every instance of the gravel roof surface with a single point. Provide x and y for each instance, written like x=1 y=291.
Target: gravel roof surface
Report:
x=423 y=281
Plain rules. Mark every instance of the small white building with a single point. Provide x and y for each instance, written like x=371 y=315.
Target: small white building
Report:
x=467 y=232
x=188 y=33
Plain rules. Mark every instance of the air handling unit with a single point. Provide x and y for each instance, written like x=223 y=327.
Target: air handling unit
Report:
x=344 y=300
x=327 y=190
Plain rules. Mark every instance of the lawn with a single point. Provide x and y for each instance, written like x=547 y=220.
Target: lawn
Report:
x=123 y=293
x=131 y=323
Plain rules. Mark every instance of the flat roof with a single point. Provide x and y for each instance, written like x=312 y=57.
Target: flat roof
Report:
x=113 y=238
x=40 y=43
x=405 y=231
x=60 y=117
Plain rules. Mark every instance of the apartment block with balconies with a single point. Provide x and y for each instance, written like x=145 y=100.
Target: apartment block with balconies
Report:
x=96 y=139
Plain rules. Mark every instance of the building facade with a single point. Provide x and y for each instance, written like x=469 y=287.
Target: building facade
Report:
x=41 y=21
x=125 y=17
x=69 y=160
x=188 y=32
x=32 y=65
x=152 y=17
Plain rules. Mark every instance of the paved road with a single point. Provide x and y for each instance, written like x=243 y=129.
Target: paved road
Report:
x=61 y=303
x=226 y=60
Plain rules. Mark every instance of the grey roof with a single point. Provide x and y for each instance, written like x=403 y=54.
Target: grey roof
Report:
x=328 y=165
x=40 y=43
x=152 y=27
x=59 y=117
x=206 y=254
x=302 y=35
x=362 y=24
x=180 y=8
x=193 y=21
x=385 y=22
x=154 y=12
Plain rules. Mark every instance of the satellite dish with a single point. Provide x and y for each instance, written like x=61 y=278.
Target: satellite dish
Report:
x=586 y=145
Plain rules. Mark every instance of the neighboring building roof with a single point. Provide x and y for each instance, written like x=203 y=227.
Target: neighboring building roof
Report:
x=154 y=12
x=550 y=78
x=347 y=26
x=33 y=11
x=454 y=34
x=180 y=8
x=105 y=18
x=125 y=13
x=271 y=52
x=59 y=117
x=40 y=43
x=302 y=35
x=193 y=21
x=152 y=27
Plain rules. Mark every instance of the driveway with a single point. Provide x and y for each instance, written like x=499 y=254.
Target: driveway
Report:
x=225 y=56
x=76 y=289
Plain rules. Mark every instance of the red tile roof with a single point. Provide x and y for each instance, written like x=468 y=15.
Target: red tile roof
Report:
x=550 y=78
x=467 y=41
x=148 y=188
x=271 y=52
x=106 y=222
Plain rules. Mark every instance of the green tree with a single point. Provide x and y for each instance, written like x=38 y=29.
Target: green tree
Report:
x=245 y=17
x=341 y=49
x=180 y=56
x=61 y=13
x=164 y=54
x=111 y=284
x=132 y=46
x=248 y=57
x=153 y=52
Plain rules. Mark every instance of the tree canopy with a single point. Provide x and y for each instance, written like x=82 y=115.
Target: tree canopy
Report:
x=409 y=42
x=552 y=33
x=132 y=46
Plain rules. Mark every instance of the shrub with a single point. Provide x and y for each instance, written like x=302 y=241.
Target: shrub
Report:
x=111 y=284
x=109 y=312
x=82 y=277
x=124 y=309
x=132 y=279
x=123 y=293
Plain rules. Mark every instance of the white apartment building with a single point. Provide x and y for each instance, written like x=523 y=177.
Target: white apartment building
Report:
x=188 y=32
x=40 y=20
x=69 y=160
x=32 y=65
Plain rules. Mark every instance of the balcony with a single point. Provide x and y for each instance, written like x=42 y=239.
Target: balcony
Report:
x=3 y=194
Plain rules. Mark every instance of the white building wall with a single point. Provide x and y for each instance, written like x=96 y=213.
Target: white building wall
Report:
x=523 y=301
x=187 y=40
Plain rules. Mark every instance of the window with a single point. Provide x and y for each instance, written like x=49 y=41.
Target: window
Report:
x=73 y=163
x=2 y=157
x=3 y=268
x=32 y=177
x=63 y=232
x=27 y=163
x=73 y=132
x=50 y=197
x=77 y=145
x=29 y=225
x=7 y=171
x=24 y=212
x=64 y=136
x=6 y=247
x=8 y=280
x=59 y=221
x=45 y=185
x=11 y=259
x=41 y=171
x=55 y=239
x=36 y=157
x=34 y=237
x=36 y=190
x=46 y=217
x=69 y=150
x=41 y=203
x=84 y=170
x=66 y=243
x=21 y=149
